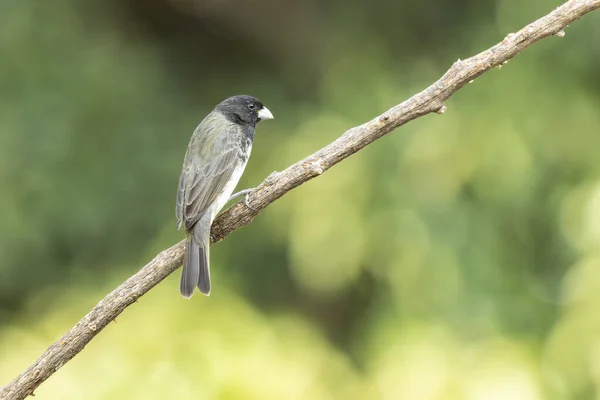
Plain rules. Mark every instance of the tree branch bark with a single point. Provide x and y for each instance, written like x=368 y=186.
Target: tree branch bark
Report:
x=277 y=184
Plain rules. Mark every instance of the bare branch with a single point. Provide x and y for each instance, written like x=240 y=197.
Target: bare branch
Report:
x=277 y=184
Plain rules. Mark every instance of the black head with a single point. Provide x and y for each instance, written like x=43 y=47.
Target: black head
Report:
x=244 y=110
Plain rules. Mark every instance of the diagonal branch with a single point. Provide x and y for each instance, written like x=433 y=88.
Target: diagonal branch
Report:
x=277 y=184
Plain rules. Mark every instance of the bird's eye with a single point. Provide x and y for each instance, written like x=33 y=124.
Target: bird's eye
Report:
x=251 y=106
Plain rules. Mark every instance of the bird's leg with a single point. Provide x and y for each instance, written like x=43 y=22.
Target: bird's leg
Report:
x=244 y=193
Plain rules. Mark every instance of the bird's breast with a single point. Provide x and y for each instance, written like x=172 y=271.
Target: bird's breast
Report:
x=233 y=181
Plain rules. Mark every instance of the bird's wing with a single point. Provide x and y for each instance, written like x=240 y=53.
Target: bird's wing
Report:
x=212 y=157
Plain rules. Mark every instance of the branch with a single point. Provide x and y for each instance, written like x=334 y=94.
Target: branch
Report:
x=277 y=184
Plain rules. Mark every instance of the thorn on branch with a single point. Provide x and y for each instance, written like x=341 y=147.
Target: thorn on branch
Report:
x=560 y=33
x=441 y=110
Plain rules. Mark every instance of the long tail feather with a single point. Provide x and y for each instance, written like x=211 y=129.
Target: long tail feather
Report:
x=191 y=268
x=204 y=275
x=196 y=268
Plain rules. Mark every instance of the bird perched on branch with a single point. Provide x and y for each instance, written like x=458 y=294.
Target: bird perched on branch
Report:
x=214 y=162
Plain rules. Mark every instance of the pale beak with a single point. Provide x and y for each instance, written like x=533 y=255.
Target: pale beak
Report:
x=264 y=113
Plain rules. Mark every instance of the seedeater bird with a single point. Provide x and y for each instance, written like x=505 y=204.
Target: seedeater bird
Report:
x=214 y=162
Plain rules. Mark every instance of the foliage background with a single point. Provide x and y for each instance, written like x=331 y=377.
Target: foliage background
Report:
x=457 y=258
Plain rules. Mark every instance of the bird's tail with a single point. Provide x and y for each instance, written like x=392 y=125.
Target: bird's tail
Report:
x=196 y=270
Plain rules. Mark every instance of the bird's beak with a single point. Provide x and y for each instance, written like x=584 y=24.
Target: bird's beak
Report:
x=264 y=113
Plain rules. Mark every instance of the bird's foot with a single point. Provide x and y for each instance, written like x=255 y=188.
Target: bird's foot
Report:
x=248 y=205
x=245 y=193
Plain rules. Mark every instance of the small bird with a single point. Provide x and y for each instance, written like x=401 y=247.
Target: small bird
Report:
x=214 y=162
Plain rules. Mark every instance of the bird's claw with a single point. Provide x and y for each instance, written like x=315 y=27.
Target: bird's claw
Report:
x=246 y=203
x=245 y=193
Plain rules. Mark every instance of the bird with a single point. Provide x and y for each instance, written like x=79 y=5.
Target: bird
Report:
x=215 y=160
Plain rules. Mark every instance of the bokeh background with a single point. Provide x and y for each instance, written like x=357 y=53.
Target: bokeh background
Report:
x=456 y=258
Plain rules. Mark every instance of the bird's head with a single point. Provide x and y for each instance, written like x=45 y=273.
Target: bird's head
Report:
x=244 y=110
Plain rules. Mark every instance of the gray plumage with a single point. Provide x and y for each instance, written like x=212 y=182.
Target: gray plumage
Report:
x=214 y=162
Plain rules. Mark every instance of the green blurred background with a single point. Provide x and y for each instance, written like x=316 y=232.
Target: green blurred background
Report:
x=457 y=258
